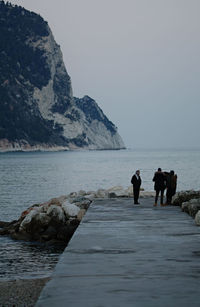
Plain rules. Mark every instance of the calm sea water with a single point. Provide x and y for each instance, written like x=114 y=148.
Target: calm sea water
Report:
x=28 y=178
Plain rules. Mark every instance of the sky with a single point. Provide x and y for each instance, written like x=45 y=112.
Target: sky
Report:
x=138 y=59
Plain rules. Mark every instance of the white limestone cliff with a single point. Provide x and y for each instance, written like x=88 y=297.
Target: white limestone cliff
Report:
x=97 y=136
x=39 y=97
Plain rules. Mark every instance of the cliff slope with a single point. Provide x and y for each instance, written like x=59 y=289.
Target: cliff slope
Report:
x=37 y=107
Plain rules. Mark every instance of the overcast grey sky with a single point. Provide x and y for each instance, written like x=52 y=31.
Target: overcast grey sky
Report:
x=139 y=59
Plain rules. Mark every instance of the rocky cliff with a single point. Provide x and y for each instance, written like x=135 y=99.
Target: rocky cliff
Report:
x=37 y=107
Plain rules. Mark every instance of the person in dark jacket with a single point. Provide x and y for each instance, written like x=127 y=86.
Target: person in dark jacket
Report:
x=136 y=182
x=171 y=187
x=159 y=185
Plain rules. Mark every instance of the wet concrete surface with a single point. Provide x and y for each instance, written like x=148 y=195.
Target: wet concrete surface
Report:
x=127 y=255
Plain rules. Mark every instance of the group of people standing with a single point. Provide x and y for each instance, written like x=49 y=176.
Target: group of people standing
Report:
x=162 y=180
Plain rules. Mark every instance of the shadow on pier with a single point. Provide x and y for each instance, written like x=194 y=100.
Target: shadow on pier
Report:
x=125 y=255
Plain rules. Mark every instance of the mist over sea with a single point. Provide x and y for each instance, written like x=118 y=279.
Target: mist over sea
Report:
x=28 y=178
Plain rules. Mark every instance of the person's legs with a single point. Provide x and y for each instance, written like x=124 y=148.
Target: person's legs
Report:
x=168 y=196
x=136 y=195
x=161 y=197
x=133 y=194
x=156 y=198
x=172 y=193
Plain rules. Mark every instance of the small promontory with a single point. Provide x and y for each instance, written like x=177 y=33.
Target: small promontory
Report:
x=37 y=107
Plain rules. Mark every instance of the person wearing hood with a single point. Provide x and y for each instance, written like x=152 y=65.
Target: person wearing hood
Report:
x=171 y=187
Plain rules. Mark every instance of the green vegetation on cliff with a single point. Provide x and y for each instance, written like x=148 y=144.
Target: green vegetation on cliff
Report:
x=36 y=102
x=17 y=58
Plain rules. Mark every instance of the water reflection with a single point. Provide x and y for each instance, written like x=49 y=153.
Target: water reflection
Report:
x=21 y=259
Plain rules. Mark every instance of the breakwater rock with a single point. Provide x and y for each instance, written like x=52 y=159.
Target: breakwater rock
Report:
x=189 y=201
x=114 y=192
x=57 y=219
x=51 y=222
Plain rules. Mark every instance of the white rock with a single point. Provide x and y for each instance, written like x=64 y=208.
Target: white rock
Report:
x=101 y=193
x=90 y=196
x=117 y=191
x=43 y=218
x=146 y=194
x=90 y=192
x=43 y=208
x=197 y=218
x=28 y=218
x=129 y=191
x=81 y=193
x=81 y=214
x=115 y=188
x=70 y=209
x=72 y=194
x=57 y=212
x=62 y=198
x=194 y=201
x=184 y=205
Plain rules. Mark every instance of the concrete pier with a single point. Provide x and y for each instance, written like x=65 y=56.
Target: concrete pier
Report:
x=124 y=255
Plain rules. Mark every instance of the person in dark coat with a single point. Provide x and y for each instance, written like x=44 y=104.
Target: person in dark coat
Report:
x=136 y=182
x=159 y=185
x=171 y=187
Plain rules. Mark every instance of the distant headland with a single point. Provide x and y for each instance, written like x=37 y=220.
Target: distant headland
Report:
x=37 y=107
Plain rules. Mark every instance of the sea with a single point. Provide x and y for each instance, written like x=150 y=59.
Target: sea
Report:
x=27 y=178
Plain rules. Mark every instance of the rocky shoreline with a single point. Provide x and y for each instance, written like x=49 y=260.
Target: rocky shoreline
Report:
x=25 y=292
x=24 y=146
x=189 y=201
x=7 y=146
x=56 y=220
